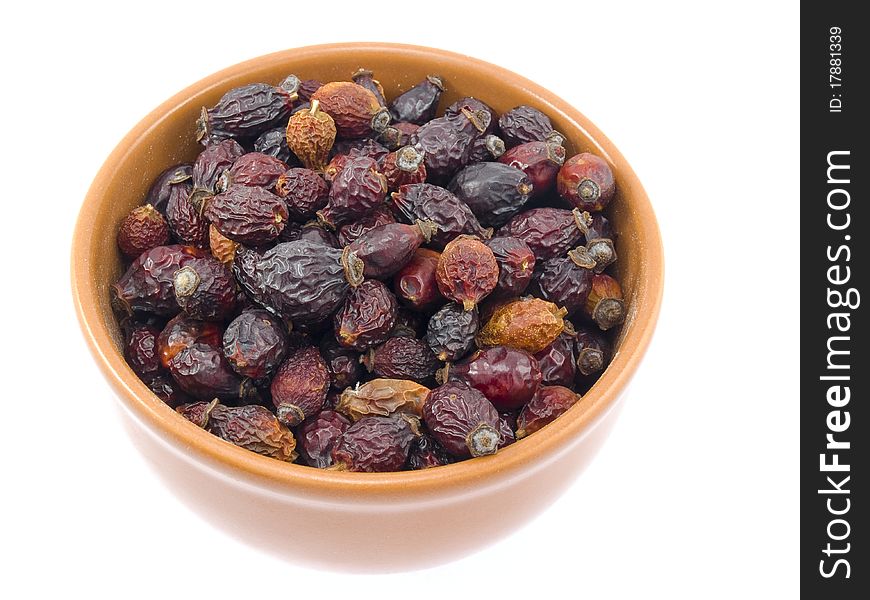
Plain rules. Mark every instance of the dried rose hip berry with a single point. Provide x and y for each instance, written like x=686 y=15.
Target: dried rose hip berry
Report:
x=307 y=88
x=398 y=134
x=144 y=228
x=508 y=377
x=486 y=148
x=524 y=124
x=304 y=191
x=367 y=316
x=593 y=351
x=187 y=224
x=415 y=284
x=451 y=331
x=426 y=452
x=318 y=436
x=418 y=104
x=254 y=428
x=550 y=402
x=300 y=385
x=274 y=143
x=183 y=332
x=507 y=428
x=303 y=281
x=140 y=350
x=467 y=271
x=209 y=166
x=357 y=190
x=516 y=263
x=310 y=135
x=604 y=304
x=549 y=232
x=356 y=110
x=311 y=231
x=374 y=444
x=247 y=111
x=343 y=363
x=245 y=271
x=205 y=289
x=365 y=147
x=494 y=192
x=473 y=105
x=427 y=202
x=463 y=421
x=386 y=249
x=352 y=231
x=402 y=358
x=202 y=371
x=529 y=324
x=146 y=286
x=222 y=248
x=446 y=141
x=197 y=413
x=404 y=167
x=602 y=251
x=586 y=182
x=565 y=281
x=557 y=361
x=165 y=388
x=255 y=343
x=365 y=78
x=383 y=397
x=158 y=194
x=248 y=215
x=254 y=169
x=540 y=161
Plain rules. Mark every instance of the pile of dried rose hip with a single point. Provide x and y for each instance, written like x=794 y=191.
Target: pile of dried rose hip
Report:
x=357 y=284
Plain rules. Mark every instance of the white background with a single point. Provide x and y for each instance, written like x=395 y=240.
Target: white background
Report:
x=695 y=493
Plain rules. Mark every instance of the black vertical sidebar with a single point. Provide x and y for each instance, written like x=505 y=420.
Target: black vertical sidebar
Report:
x=834 y=369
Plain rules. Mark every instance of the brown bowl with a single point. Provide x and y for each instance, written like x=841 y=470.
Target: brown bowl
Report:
x=358 y=521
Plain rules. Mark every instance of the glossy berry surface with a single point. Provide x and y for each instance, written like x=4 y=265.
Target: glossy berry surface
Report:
x=367 y=316
x=463 y=421
x=415 y=285
x=516 y=264
x=318 y=436
x=550 y=402
x=586 y=182
x=255 y=343
x=508 y=377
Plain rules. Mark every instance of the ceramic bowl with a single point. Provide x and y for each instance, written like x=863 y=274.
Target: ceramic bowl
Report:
x=359 y=521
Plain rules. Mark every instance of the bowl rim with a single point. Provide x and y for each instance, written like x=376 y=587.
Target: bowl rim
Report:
x=162 y=420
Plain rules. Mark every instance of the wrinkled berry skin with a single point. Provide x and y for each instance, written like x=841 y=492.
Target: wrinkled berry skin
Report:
x=398 y=134
x=212 y=162
x=563 y=282
x=248 y=215
x=304 y=192
x=418 y=105
x=183 y=332
x=493 y=191
x=463 y=421
x=254 y=428
x=141 y=351
x=549 y=232
x=202 y=371
x=247 y=111
x=415 y=284
x=365 y=147
x=310 y=136
x=205 y=289
x=158 y=193
x=374 y=444
x=146 y=286
x=557 y=361
x=529 y=324
x=343 y=363
x=356 y=111
x=312 y=231
x=166 y=388
x=318 y=436
x=516 y=264
x=426 y=453
x=255 y=169
x=473 y=105
x=197 y=413
x=487 y=148
x=508 y=377
x=467 y=271
x=365 y=78
x=307 y=88
x=255 y=343
x=507 y=428
x=274 y=143
x=403 y=358
x=245 y=271
x=593 y=351
x=586 y=182
x=451 y=330
x=357 y=190
x=386 y=249
x=302 y=280
x=446 y=142
x=300 y=385
x=367 y=316
x=186 y=223
x=352 y=231
x=405 y=166
x=427 y=202
x=550 y=402
x=383 y=397
x=524 y=124
x=540 y=161
x=222 y=248
x=144 y=228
